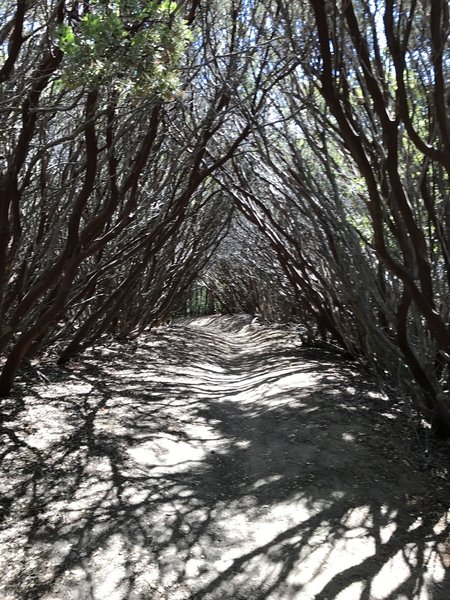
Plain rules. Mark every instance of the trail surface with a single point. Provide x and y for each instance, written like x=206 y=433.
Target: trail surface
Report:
x=218 y=460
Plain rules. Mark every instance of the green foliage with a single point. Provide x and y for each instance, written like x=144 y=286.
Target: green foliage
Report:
x=132 y=45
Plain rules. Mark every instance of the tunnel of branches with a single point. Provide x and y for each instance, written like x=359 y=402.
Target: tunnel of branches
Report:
x=288 y=160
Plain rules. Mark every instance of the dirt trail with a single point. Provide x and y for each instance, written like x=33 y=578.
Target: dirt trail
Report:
x=217 y=459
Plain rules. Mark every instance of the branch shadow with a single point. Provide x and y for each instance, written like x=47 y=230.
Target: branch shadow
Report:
x=211 y=464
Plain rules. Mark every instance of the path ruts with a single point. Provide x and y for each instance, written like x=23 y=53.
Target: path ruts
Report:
x=217 y=459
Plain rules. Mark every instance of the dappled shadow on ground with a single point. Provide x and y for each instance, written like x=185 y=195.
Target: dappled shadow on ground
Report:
x=219 y=463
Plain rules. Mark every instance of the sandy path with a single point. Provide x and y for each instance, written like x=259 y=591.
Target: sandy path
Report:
x=219 y=460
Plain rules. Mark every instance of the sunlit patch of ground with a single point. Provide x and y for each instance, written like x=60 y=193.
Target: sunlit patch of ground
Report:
x=217 y=459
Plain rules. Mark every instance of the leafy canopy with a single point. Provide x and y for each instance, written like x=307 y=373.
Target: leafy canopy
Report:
x=133 y=45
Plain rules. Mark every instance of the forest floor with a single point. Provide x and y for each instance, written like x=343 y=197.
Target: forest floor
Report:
x=217 y=459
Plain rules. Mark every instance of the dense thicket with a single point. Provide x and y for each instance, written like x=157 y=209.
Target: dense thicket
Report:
x=290 y=159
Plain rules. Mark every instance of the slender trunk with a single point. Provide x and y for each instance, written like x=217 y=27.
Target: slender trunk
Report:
x=439 y=415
